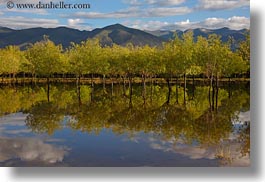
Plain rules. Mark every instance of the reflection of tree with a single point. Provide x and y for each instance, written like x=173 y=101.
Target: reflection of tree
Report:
x=44 y=117
x=9 y=101
x=192 y=121
x=244 y=138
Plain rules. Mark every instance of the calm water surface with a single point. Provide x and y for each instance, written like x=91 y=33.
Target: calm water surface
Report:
x=85 y=126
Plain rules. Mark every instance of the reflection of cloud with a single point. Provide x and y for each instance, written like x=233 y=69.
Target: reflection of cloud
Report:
x=244 y=116
x=17 y=132
x=134 y=139
x=13 y=119
x=240 y=161
x=235 y=155
x=195 y=152
x=28 y=149
x=186 y=150
x=17 y=121
x=228 y=150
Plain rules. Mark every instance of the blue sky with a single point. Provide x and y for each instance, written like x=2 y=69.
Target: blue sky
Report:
x=141 y=14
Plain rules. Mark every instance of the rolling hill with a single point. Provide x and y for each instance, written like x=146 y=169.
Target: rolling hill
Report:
x=225 y=33
x=113 y=34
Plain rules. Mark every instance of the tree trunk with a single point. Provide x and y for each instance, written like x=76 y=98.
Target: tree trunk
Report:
x=112 y=86
x=185 y=85
x=152 y=84
x=213 y=98
x=177 y=90
x=104 y=82
x=144 y=87
x=193 y=86
x=92 y=80
x=169 y=91
x=35 y=79
x=209 y=97
x=79 y=94
x=124 y=85
x=216 y=95
x=24 y=77
x=229 y=88
x=131 y=90
x=48 y=92
x=10 y=78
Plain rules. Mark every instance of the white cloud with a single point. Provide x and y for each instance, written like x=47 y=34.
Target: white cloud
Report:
x=78 y=24
x=19 y=22
x=74 y=22
x=30 y=1
x=165 y=2
x=222 y=4
x=154 y=2
x=133 y=2
x=162 y=12
x=150 y=25
x=32 y=11
x=133 y=12
x=235 y=22
x=26 y=10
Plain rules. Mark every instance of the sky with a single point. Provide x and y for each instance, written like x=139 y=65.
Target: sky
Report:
x=141 y=14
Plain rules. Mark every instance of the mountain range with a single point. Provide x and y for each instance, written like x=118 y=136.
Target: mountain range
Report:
x=113 y=34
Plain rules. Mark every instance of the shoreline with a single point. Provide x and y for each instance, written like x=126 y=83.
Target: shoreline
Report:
x=137 y=80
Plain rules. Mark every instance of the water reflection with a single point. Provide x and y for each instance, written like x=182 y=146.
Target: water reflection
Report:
x=23 y=147
x=198 y=125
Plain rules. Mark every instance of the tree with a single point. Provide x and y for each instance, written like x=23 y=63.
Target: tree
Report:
x=244 y=50
x=186 y=53
x=76 y=60
x=45 y=57
x=10 y=60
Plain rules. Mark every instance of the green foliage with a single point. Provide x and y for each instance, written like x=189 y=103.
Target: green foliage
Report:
x=244 y=48
x=208 y=56
x=10 y=58
x=45 y=57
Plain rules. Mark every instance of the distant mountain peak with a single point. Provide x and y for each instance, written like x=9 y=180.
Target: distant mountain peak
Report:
x=115 y=26
x=109 y=35
x=225 y=28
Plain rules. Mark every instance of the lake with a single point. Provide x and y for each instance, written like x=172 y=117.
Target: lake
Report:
x=70 y=125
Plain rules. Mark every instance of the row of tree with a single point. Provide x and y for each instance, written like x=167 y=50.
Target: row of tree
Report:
x=179 y=57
